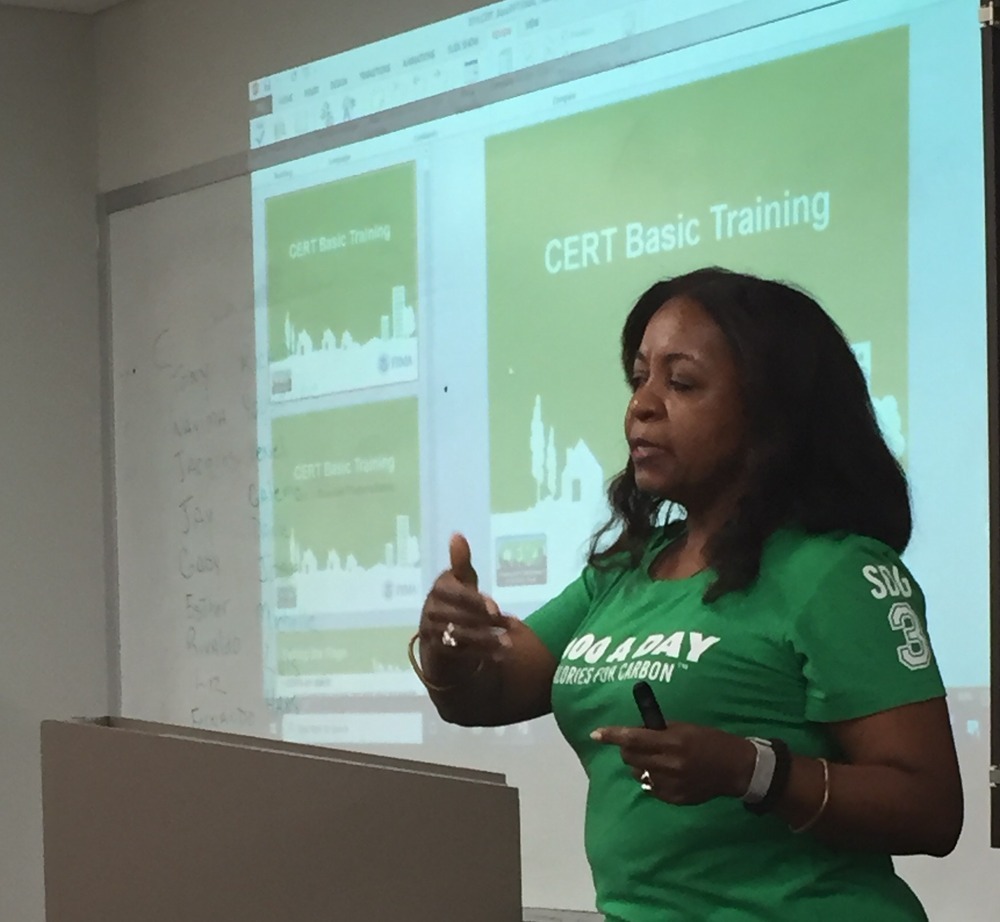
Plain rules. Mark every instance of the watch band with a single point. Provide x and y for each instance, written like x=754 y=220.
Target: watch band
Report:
x=779 y=777
x=763 y=771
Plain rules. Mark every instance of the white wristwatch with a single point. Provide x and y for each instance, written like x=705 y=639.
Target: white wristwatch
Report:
x=763 y=771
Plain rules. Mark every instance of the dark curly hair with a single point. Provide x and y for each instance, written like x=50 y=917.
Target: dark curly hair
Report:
x=817 y=459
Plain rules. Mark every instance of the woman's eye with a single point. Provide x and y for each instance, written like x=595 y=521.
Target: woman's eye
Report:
x=679 y=385
x=636 y=381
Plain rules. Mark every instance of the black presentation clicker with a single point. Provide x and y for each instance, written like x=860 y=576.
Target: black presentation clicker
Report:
x=649 y=708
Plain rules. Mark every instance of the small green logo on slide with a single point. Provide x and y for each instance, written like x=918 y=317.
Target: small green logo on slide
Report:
x=521 y=561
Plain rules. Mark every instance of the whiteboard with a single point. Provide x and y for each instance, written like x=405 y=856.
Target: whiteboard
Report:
x=186 y=461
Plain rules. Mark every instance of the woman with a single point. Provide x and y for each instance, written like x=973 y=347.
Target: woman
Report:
x=807 y=734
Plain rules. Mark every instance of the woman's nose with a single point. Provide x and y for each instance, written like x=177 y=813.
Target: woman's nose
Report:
x=642 y=405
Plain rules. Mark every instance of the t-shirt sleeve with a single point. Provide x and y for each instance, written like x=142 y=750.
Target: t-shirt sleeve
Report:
x=862 y=636
x=555 y=623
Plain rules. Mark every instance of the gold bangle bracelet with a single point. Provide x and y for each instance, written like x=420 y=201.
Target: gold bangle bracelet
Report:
x=815 y=818
x=420 y=672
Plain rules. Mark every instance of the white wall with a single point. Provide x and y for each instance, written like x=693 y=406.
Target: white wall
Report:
x=53 y=627
x=173 y=74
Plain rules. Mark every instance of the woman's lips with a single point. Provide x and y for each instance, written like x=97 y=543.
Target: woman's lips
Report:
x=642 y=449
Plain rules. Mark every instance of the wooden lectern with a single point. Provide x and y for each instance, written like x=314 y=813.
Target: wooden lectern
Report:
x=154 y=823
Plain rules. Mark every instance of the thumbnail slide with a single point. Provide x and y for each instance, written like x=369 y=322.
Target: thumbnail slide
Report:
x=342 y=285
x=347 y=548
x=794 y=169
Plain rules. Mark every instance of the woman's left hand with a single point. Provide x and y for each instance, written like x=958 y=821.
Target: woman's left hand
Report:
x=686 y=764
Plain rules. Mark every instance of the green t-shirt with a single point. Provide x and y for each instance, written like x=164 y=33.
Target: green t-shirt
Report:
x=833 y=629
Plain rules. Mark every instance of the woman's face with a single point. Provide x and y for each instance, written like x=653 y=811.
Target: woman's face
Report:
x=685 y=424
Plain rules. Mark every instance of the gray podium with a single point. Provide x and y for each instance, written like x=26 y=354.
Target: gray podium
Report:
x=155 y=823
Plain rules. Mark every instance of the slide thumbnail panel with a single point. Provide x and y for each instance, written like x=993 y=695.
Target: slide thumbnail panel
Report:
x=342 y=285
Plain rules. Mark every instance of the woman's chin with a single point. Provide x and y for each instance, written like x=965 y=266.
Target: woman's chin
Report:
x=649 y=483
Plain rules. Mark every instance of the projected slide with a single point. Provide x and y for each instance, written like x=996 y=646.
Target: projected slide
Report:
x=793 y=169
x=342 y=285
x=348 y=519
x=344 y=661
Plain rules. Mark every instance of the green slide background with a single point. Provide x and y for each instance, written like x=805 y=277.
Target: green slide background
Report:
x=342 y=651
x=348 y=288
x=834 y=119
x=354 y=513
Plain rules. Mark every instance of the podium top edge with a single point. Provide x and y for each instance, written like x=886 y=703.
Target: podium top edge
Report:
x=265 y=744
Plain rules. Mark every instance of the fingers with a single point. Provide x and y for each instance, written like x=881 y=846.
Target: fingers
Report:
x=501 y=621
x=474 y=637
x=464 y=639
x=457 y=615
x=461 y=606
x=640 y=748
x=462 y=620
x=454 y=597
x=460 y=555
x=449 y=591
x=450 y=600
x=634 y=739
x=682 y=764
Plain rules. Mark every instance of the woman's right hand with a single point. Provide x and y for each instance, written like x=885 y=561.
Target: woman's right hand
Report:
x=459 y=624
x=482 y=668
